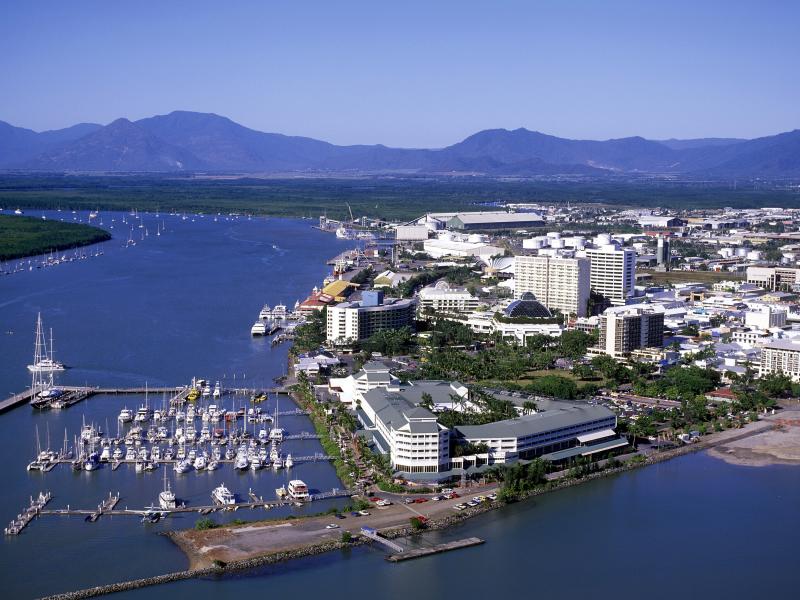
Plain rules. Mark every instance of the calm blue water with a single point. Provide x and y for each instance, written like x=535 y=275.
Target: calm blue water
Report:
x=181 y=305
x=172 y=307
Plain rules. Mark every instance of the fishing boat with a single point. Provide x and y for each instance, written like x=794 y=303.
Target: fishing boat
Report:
x=166 y=499
x=43 y=359
x=222 y=495
x=298 y=490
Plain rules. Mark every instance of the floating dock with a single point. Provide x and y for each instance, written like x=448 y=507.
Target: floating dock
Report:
x=437 y=549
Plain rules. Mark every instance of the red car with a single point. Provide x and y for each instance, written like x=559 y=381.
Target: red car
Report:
x=420 y=500
x=375 y=499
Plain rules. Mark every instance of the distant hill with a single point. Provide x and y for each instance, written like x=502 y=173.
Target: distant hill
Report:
x=120 y=146
x=18 y=145
x=699 y=142
x=190 y=141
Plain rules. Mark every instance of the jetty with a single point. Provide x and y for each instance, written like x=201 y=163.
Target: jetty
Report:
x=437 y=549
x=29 y=514
x=372 y=534
x=74 y=394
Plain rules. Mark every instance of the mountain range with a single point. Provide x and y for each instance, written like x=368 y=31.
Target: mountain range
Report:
x=202 y=142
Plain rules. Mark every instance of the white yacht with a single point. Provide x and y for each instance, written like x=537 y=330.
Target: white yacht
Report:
x=279 y=312
x=142 y=415
x=222 y=495
x=258 y=328
x=217 y=391
x=276 y=434
x=241 y=462
x=206 y=390
x=200 y=463
x=43 y=359
x=266 y=313
x=182 y=466
x=298 y=490
x=213 y=465
x=125 y=415
x=289 y=461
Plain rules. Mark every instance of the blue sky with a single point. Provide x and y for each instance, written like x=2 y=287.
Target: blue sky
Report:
x=411 y=73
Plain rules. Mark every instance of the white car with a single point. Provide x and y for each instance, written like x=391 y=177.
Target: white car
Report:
x=332 y=526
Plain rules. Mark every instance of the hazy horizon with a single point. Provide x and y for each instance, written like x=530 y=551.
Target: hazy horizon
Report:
x=416 y=75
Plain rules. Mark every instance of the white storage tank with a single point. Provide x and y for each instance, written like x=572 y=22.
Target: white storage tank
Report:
x=754 y=255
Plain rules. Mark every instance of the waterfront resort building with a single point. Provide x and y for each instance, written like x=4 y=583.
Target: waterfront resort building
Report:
x=408 y=433
x=350 y=322
x=442 y=299
x=402 y=424
x=613 y=272
x=563 y=426
x=625 y=329
x=558 y=283
x=373 y=375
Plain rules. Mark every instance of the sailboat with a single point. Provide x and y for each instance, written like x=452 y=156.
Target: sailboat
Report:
x=43 y=360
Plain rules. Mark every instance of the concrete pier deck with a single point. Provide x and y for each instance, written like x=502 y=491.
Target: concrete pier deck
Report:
x=437 y=549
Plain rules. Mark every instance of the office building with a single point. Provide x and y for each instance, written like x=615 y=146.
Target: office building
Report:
x=558 y=283
x=773 y=278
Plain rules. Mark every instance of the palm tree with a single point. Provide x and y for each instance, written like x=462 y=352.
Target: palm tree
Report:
x=529 y=407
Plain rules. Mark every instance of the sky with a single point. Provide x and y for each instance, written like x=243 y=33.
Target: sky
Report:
x=411 y=73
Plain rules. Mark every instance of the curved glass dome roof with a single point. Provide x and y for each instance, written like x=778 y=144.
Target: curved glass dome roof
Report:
x=527 y=306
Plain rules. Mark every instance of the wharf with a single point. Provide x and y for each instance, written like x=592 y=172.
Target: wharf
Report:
x=74 y=394
x=437 y=549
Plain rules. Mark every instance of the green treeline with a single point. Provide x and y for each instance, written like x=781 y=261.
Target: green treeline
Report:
x=26 y=236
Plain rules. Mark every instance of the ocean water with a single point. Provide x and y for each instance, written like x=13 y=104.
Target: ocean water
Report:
x=169 y=308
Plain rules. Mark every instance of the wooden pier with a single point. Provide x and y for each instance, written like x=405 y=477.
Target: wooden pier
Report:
x=437 y=549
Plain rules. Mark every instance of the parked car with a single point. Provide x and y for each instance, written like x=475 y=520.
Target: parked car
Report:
x=332 y=526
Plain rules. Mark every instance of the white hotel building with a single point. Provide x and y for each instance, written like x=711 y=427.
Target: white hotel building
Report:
x=613 y=272
x=781 y=356
x=408 y=433
x=558 y=283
